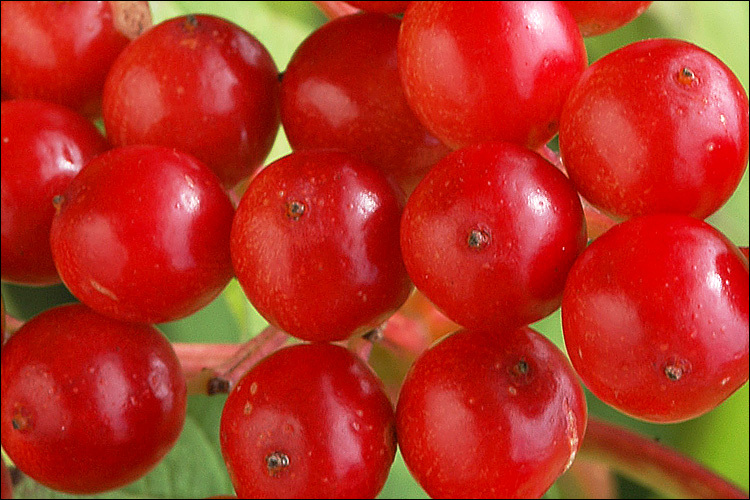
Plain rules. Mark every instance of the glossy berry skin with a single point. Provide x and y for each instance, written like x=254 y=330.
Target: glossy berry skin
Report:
x=315 y=245
x=671 y=137
x=159 y=92
x=655 y=317
x=382 y=7
x=142 y=234
x=506 y=81
x=309 y=421
x=341 y=90
x=61 y=51
x=490 y=234
x=507 y=427
x=89 y=403
x=43 y=147
x=597 y=18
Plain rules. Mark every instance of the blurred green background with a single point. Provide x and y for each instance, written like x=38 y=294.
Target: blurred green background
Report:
x=194 y=468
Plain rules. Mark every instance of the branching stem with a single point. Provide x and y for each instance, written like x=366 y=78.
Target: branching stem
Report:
x=652 y=464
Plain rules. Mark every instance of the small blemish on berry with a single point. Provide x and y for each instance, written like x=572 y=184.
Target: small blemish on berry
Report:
x=276 y=462
x=190 y=22
x=57 y=201
x=520 y=373
x=21 y=420
x=295 y=209
x=675 y=368
x=478 y=239
x=686 y=76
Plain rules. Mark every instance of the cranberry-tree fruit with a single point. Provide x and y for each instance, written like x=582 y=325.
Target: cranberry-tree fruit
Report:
x=315 y=245
x=490 y=414
x=671 y=137
x=200 y=84
x=655 y=317
x=142 y=234
x=89 y=403
x=309 y=421
x=505 y=79
x=44 y=145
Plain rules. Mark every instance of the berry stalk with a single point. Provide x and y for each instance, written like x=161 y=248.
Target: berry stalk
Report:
x=652 y=464
x=334 y=9
x=216 y=368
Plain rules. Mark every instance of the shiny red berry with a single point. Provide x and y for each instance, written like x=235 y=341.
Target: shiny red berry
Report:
x=200 y=84
x=490 y=234
x=89 y=403
x=309 y=421
x=315 y=245
x=655 y=317
x=341 y=90
x=44 y=145
x=597 y=18
x=61 y=51
x=142 y=234
x=656 y=126
x=489 y=71
x=490 y=414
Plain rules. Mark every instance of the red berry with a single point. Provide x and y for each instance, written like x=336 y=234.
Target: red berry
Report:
x=61 y=51
x=44 y=145
x=383 y=7
x=200 y=84
x=342 y=90
x=490 y=414
x=656 y=126
x=142 y=234
x=655 y=317
x=89 y=403
x=315 y=245
x=309 y=421
x=597 y=18
x=490 y=234
x=489 y=71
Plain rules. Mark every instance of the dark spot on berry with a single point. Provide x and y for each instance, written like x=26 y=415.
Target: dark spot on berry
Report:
x=190 y=22
x=295 y=209
x=57 y=201
x=276 y=462
x=675 y=368
x=522 y=367
x=478 y=239
x=520 y=372
x=21 y=420
x=281 y=76
x=686 y=76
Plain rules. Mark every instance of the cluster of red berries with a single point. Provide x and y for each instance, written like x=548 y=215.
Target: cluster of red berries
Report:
x=419 y=160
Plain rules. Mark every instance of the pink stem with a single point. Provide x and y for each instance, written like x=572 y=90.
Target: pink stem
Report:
x=12 y=324
x=652 y=464
x=362 y=346
x=332 y=10
x=216 y=368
